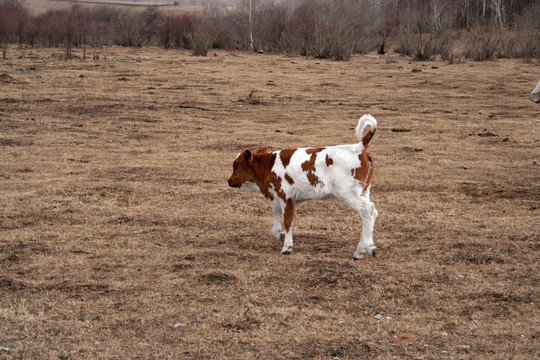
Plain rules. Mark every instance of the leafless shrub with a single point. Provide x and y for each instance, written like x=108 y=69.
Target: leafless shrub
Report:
x=523 y=40
x=423 y=47
x=332 y=29
x=271 y=23
x=201 y=37
x=136 y=29
x=173 y=29
x=73 y=26
x=369 y=41
x=333 y=40
x=128 y=30
x=14 y=20
x=528 y=45
x=521 y=44
x=483 y=44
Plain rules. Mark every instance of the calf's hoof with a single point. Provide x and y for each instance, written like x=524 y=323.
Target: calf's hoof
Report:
x=286 y=250
x=371 y=250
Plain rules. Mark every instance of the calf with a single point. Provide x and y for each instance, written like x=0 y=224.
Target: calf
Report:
x=291 y=176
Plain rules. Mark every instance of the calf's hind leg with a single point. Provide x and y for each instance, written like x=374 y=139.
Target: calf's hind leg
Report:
x=363 y=206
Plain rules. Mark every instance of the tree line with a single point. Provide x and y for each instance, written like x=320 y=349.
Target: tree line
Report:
x=423 y=29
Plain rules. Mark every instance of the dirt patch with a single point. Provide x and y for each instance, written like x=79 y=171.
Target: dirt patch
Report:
x=218 y=278
x=6 y=79
x=10 y=142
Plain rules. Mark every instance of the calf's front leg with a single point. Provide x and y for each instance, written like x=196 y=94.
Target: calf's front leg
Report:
x=288 y=214
x=277 y=231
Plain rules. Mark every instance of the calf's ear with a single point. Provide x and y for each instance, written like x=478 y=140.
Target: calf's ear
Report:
x=246 y=154
x=263 y=150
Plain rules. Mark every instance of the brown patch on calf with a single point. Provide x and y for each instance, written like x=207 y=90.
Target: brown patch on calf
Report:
x=309 y=166
x=365 y=172
x=288 y=214
x=370 y=176
x=289 y=179
x=312 y=178
x=285 y=156
x=276 y=182
x=272 y=180
x=329 y=160
x=263 y=164
x=367 y=138
x=312 y=151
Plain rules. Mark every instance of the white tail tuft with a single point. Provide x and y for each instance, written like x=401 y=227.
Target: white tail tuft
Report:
x=366 y=128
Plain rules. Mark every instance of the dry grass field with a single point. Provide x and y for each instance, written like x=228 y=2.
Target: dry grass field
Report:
x=119 y=237
x=36 y=7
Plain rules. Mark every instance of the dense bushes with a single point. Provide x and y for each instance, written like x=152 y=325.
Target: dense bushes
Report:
x=426 y=46
x=483 y=44
x=336 y=29
x=202 y=36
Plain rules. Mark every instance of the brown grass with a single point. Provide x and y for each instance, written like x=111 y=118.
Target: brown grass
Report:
x=119 y=237
x=36 y=7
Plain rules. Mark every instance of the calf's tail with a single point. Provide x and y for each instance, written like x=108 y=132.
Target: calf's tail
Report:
x=366 y=129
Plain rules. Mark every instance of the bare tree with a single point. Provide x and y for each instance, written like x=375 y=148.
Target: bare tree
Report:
x=13 y=23
x=250 y=22
x=21 y=17
x=69 y=28
x=272 y=19
x=497 y=7
x=464 y=13
x=75 y=29
x=248 y=8
x=5 y=29
x=302 y=26
x=438 y=8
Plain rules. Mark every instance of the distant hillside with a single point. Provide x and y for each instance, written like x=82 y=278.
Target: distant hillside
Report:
x=40 y=6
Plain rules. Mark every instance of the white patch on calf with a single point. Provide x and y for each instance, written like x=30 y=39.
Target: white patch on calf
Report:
x=249 y=186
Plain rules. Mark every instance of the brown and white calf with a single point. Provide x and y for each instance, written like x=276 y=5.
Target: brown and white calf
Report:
x=291 y=176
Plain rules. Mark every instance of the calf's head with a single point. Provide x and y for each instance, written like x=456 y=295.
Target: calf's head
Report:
x=243 y=171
